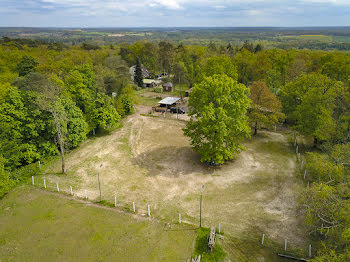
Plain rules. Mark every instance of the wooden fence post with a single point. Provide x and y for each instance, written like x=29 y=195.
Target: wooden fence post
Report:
x=32 y=180
x=285 y=245
x=58 y=189
x=45 y=183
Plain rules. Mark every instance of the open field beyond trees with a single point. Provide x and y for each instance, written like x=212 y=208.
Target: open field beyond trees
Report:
x=150 y=162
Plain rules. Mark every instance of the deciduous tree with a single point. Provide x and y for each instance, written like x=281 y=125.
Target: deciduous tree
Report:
x=266 y=108
x=218 y=123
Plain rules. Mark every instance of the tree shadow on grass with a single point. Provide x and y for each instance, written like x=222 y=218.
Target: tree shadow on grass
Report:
x=172 y=161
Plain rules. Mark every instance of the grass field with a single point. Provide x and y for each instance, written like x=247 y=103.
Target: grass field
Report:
x=41 y=226
x=150 y=161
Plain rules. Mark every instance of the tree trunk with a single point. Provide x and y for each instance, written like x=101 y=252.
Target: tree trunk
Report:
x=256 y=128
x=315 y=142
x=60 y=138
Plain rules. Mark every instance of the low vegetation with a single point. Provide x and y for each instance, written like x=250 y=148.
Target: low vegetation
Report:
x=41 y=226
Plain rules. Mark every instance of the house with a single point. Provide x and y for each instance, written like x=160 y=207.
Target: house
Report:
x=168 y=87
x=168 y=102
x=145 y=72
x=187 y=92
x=149 y=83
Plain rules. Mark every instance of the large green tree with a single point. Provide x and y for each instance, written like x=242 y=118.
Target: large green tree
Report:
x=310 y=101
x=218 y=123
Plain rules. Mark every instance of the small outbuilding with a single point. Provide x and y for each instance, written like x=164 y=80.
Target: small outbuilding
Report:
x=168 y=102
x=149 y=83
x=167 y=87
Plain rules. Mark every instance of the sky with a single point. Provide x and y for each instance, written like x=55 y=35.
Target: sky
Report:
x=173 y=13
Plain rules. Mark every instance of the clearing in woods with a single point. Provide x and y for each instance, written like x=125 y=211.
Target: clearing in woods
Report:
x=150 y=161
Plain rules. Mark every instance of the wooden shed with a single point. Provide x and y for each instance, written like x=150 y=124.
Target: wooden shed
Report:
x=167 y=87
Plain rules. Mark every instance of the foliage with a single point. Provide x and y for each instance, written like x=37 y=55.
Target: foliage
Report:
x=218 y=123
x=6 y=183
x=321 y=168
x=102 y=113
x=26 y=65
x=330 y=255
x=138 y=78
x=266 y=108
x=310 y=101
x=220 y=65
x=201 y=247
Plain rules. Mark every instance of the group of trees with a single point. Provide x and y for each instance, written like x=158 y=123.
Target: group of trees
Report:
x=50 y=101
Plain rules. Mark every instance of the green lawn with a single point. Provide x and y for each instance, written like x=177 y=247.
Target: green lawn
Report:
x=40 y=226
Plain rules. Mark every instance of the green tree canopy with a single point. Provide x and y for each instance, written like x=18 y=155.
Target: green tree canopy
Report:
x=26 y=65
x=310 y=101
x=266 y=108
x=218 y=123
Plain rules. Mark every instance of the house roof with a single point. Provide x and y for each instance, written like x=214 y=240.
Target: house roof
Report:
x=148 y=81
x=168 y=84
x=169 y=100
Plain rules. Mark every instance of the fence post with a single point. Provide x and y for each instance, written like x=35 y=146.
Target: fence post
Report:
x=39 y=165
x=71 y=190
x=285 y=245
x=58 y=189
x=133 y=207
x=85 y=194
x=149 y=210
x=219 y=228
x=262 y=239
x=45 y=183
x=179 y=218
x=32 y=180
x=310 y=250
x=115 y=201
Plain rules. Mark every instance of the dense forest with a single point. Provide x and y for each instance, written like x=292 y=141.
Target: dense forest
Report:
x=53 y=96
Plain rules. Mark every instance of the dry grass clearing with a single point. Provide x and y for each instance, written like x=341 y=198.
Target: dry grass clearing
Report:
x=150 y=161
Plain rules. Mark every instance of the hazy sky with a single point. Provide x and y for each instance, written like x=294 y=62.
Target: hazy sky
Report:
x=181 y=13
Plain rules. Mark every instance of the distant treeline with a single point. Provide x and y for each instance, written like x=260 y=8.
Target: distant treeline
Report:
x=338 y=37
